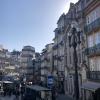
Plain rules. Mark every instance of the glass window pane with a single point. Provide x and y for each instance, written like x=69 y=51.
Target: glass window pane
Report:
x=90 y=41
x=97 y=38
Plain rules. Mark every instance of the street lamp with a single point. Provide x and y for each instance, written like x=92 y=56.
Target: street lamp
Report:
x=74 y=40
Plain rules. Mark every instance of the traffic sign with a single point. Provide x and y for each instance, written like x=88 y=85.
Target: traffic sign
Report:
x=50 y=81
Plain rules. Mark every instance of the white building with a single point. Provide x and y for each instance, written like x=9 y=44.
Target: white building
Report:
x=58 y=53
x=27 y=55
x=46 y=62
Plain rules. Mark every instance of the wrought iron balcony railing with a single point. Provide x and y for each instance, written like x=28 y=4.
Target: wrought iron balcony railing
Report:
x=93 y=50
x=93 y=75
x=93 y=26
x=55 y=46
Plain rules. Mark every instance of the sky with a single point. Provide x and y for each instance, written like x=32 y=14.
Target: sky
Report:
x=29 y=22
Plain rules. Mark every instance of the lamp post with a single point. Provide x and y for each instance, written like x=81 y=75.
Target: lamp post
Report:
x=74 y=40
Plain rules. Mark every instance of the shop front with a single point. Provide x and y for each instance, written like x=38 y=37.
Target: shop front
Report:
x=90 y=91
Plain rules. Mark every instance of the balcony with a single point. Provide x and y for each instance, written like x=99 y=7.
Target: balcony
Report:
x=93 y=26
x=79 y=14
x=95 y=50
x=55 y=47
x=61 y=43
x=57 y=58
x=93 y=75
x=47 y=59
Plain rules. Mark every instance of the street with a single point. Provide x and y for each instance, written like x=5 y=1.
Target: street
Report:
x=60 y=97
x=64 y=97
x=9 y=98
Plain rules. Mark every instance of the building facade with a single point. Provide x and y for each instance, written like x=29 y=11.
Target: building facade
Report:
x=63 y=53
x=27 y=55
x=46 y=62
x=15 y=58
x=92 y=31
x=58 y=53
x=37 y=68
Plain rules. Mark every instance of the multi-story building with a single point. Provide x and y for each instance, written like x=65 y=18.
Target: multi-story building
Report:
x=46 y=62
x=27 y=69
x=2 y=61
x=63 y=53
x=5 y=60
x=58 y=52
x=37 y=67
x=91 y=89
x=74 y=16
x=15 y=58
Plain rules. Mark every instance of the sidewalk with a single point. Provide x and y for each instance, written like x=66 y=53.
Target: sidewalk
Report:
x=64 y=97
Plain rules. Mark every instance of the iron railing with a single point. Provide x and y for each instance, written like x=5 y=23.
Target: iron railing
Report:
x=94 y=25
x=93 y=50
x=93 y=75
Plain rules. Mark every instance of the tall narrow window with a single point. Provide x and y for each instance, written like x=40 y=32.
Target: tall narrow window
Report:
x=92 y=64
x=90 y=41
x=70 y=58
x=98 y=63
x=97 y=38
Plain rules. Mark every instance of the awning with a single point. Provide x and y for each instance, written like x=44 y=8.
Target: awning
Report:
x=37 y=88
x=92 y=86
x=9 y=82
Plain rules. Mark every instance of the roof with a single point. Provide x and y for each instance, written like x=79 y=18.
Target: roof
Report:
x=38 y=88
x=7 y=82
x=10 y=67
x=92 y=86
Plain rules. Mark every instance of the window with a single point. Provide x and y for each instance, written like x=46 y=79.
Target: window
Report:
x=87 y=20
x=90 y=41
x=94 y=64
x=95 y=14
x=91 y=61
x=97 y=38
x=79 y=58
x=98 y=63
x=70 y=58
x=87 y=1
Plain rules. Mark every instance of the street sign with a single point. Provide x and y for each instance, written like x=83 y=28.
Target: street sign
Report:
x=50 y=81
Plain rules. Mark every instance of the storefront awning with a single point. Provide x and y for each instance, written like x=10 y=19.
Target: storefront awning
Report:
x=91 y=86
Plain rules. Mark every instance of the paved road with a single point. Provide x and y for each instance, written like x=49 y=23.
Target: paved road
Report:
x=64 y=97
x=9 y=98
x=60 y=97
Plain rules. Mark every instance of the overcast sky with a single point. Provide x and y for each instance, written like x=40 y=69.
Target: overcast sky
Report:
x=29 y=22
